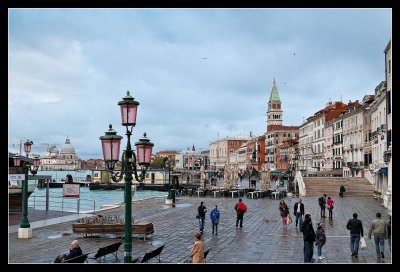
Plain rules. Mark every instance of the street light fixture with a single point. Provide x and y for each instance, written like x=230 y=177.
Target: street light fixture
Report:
x=111 y=143
x=24 y=230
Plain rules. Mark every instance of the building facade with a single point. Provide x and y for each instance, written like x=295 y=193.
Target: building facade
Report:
x=65 y=159
x=387 y=197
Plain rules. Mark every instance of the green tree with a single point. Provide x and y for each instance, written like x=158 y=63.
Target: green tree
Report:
x=158 y=162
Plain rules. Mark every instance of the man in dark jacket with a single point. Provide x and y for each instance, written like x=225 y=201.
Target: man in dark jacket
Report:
x=74 y=251
x=202 y=216
x=298 y=210
x=308 y=238
x=356 y=229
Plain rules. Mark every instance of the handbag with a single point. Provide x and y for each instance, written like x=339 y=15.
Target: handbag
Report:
x=363 y=245
x=289 y=219
x=216 y=221
x=198 y=216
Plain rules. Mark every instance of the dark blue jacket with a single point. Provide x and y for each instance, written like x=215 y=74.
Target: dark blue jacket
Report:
x=308 y=233
x=355 y=226
x=73 y=253
x=215 y=214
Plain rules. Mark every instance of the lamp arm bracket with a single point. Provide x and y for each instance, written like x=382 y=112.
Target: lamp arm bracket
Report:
x=135 y=169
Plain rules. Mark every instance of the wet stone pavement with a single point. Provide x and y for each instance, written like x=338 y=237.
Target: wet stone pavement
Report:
x=262 y=239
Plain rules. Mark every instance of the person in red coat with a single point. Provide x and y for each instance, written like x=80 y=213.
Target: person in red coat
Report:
x=240 y=208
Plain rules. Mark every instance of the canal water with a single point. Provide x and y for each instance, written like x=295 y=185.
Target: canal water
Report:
x=89 y=199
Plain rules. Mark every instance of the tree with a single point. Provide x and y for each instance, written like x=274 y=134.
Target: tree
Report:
x=158 y=162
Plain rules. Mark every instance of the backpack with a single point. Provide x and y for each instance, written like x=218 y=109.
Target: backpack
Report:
x=321 y=200
x=241 y=207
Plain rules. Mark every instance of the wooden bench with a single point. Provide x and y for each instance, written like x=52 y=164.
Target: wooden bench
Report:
x=103 y=251
x=143 y=228
x=149 y=255
x=78 y=259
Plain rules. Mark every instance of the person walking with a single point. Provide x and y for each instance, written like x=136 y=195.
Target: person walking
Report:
x=309 y=239
x=215 y=215
x=298 y=210
x=342 y=190
x=356 y=230
x=320 y=239
x=197 y=251
x=329 y=204
x=322 y=203
x=379 y=229
x=202 y=216
x=240 y=208
x=284 y=211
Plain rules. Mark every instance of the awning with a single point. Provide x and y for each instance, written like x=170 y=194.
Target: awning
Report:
x=383 y=170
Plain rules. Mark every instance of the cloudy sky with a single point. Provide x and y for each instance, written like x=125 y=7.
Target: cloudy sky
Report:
x=198 y=74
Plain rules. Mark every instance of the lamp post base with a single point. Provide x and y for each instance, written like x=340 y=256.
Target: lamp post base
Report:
x=24 y=233
x=171 y=197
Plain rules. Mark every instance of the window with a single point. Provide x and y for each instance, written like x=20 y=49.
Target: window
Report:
x=389 y=66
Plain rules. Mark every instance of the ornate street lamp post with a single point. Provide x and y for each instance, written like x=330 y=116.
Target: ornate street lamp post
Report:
x=171 y=193
x=111 y=144
x=24 y=230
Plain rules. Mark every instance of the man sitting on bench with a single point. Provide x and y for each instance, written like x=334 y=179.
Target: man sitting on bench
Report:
x=74 y=251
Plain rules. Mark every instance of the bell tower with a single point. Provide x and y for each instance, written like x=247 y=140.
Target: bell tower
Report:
x=274 y=113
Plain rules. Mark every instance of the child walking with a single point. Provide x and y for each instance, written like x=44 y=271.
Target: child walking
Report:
x=320 y=240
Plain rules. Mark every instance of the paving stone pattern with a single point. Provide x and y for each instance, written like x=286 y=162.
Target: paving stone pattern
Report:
x=262 y=239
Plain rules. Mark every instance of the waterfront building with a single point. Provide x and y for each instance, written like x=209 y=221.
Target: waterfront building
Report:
x=220 y=150
x=305 y=149
x=379 y=145
x=65 y=159
x=387 y=197
x=276 y=133
x=353 y=140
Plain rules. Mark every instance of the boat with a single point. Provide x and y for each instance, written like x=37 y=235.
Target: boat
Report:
x=15 y=196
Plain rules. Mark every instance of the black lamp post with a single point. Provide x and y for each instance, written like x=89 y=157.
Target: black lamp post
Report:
x=25 y=230
x=171 y=193
x=111 y=144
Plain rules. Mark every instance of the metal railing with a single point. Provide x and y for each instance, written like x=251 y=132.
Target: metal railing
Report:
x=66 y=204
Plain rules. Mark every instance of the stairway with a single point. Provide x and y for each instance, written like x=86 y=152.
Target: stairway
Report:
x=317 y=186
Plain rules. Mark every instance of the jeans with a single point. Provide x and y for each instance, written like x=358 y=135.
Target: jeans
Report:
x=330 y=213
x=239 y=218
x=319 y=250
x=216 y=228
x=354 y=243
x=308 y=251
x=322 y=211
x=201 y=224
x=379 y=243
x=297 y=214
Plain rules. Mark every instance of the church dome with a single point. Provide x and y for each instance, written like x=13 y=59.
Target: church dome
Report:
x=67 y=148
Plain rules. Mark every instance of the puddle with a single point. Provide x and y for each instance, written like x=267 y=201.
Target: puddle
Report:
x=55 y=236
x=157 y=243
x=182 y=205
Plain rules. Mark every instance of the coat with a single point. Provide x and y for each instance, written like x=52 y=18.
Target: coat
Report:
x=197 y=252
x=215 y=214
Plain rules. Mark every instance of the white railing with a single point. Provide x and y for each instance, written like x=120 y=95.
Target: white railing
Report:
x=300 y=183
x=369 y=176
